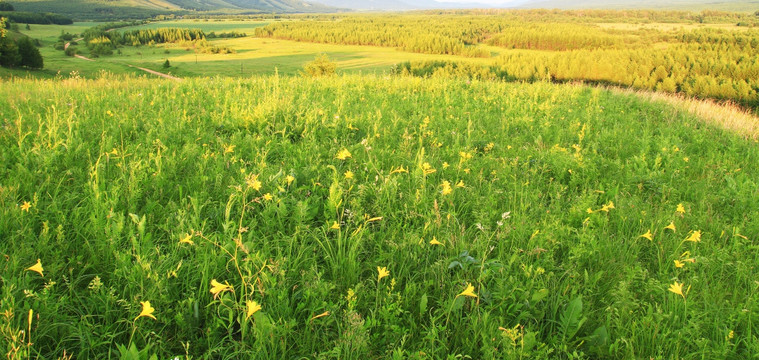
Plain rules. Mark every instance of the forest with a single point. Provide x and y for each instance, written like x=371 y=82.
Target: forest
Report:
x=705 y=62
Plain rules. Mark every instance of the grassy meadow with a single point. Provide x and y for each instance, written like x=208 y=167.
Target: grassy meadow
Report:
x=370 y=216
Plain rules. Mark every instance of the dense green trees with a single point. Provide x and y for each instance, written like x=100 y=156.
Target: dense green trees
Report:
x=21 y=52
x=5 y=6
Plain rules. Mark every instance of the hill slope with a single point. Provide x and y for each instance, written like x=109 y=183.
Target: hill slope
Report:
x=98 y=9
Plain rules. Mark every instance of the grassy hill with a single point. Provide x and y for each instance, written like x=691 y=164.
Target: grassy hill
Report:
x=370 y=217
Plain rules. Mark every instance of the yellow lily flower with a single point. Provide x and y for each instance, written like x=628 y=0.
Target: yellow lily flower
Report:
x=382 y=272
x=647 y=235
x=469 y=291
x=677 y=288
x=695 y=236
x=671 y=226
x=252 y=308
x=343 y=154
x=37 y=268
x=217 y=287
x=147 y=310
x=435 y=242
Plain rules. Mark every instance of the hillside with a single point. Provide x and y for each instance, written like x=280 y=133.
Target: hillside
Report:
x=125 y=9
x=367 y=217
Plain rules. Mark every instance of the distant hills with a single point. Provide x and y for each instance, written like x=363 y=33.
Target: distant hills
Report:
x=121 y=9
x=124 y=9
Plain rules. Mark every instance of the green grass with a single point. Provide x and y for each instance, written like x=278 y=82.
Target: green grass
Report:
x=117 y=171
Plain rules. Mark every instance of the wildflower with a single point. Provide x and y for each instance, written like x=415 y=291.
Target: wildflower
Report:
x=187 y=240
x=289 y=179
x=608 y=206
x=435 y=242
x=252 y=307
x=217 y=287
x=469 y=291
x=343 y=154
x=335 y=226
x=460 y=184
x=349 y=174
x=695 y=236
x=446 y=187
x=37 y=268
x=427 y=168
x=229 y=149
x=382 y=272
x=647 y=235
x=686 y=159
x=25 y=206
x=147 y=310
x=671 y=226
x=253 y=182
x=464 y=156
x=399 y=170
x=677 y=288
x=445 y=165
x=679 y=264
x=680 y=208
x=376 y=218
x=326 y=313
x=589 y=211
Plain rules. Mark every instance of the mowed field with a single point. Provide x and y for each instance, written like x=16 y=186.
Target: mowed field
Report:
x=367 y=216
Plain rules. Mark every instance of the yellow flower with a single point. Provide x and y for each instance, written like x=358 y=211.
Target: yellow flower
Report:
x=435 y=242
x=326 y=313
x=289 y=179
x=445 y=165
x=349 y=174
x=217 y=287
x=647 y=235
x=382 y=272
x=268 y=197
x=343 y=154
x=680 y=208
x=147 y=310
x=671 y=226
x=37 y=268
x=335 y=226
x=695 y=236
x=589 y=211
x=399 y=170
x=229 y=149
x=679 y=264
x=187 y=240
x=446 y=187
x=25 y=206
x=686 y=159
x=469 y=291
x=252 y=308
x=427 y=168
x=253 y=182
x=677 y=288
x=608 y=207
x=460 y=184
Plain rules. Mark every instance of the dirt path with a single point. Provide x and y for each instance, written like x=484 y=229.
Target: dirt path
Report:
x=157 y=73
x=82 y=57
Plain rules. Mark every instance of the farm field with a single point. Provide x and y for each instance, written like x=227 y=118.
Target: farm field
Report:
x=477 y=184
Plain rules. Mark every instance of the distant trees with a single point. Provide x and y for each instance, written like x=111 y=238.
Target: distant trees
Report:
x=36 y=18
x=5 y=6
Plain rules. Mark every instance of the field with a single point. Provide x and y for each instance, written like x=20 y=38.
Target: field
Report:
x=468 y=184
x=371 y=216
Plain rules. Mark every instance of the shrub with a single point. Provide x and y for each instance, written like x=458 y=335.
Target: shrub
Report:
x=321 y=66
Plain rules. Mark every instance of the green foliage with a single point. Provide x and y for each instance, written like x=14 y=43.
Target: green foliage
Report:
x=30 y=56
x=6 y=6
x=166 y=64
x=36 y=18
x=321 y=66
x=131 y=190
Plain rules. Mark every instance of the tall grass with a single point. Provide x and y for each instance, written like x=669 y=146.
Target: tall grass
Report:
x=208 y=197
